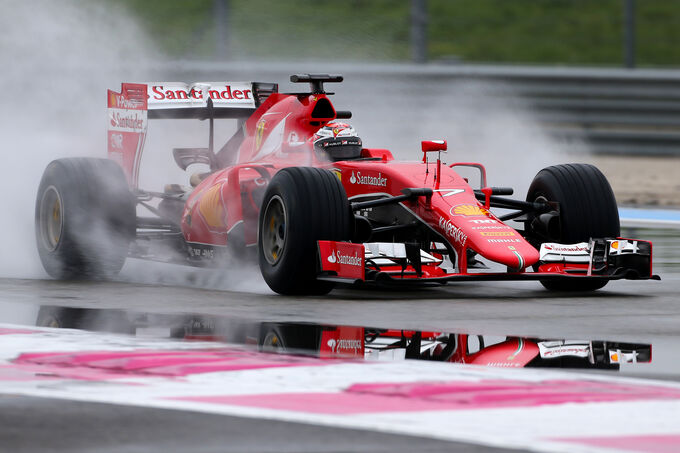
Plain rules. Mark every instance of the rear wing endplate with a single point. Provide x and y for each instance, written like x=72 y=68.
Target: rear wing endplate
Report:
x=136 y=103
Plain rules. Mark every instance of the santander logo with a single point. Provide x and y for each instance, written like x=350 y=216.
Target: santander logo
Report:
x=353 y=345
x=133 y=121
x=351 y=260
x=366 y=180
x=217 y=93
x=349 y=344
x=566 y=248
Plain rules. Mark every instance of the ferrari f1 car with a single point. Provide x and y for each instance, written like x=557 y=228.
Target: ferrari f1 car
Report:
x=315 y=218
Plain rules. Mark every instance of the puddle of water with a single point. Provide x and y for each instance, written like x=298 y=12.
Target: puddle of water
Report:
x=18 y=313
x=329 y=341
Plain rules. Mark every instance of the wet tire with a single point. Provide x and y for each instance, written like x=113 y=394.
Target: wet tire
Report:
x=587 y=209
x=60 y=317
x=85 y=218
x=115 y=321
x=289 y=338
x=301 y=206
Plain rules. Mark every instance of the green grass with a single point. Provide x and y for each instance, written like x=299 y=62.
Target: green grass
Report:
x=506 y=31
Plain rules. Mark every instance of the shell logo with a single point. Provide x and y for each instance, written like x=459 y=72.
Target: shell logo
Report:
x=211 y=207
x=338 y=174
x=469 y=210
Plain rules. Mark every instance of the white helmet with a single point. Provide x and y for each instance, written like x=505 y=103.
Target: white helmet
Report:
x=338 y=140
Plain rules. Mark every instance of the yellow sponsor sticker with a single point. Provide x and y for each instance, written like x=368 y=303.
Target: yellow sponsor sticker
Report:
x=498 y=233
x=470 y=210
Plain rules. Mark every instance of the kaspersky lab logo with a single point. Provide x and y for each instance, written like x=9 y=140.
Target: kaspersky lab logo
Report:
x=366 y=180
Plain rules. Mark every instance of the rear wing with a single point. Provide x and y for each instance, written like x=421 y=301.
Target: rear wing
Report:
x=136 y=103
x=206 y=99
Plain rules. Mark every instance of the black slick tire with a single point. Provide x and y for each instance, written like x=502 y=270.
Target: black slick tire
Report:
x=85 y=218
x=587 y=209
x=301 y=206
x=289 y=338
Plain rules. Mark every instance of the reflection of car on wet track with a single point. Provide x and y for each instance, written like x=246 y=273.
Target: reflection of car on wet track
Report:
x=329 y=341
x=317 y=219
x=486 y=350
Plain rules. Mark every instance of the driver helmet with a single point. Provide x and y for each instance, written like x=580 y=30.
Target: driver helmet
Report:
x=338 y=140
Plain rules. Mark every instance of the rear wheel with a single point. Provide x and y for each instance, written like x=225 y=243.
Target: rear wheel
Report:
x=301 y=206
x=587 y=209
x=85 y=218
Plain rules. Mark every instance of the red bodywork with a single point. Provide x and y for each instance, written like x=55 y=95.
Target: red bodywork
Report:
x=276 y=135
x=268 y=146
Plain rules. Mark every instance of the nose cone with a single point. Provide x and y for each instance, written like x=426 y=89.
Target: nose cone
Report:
x=493 y=239
x=512 y=251
x=470 y=224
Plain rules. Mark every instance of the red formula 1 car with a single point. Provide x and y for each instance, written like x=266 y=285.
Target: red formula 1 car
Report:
x=320 y=215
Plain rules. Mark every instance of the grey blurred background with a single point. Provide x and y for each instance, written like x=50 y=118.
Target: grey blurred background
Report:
x=517 y=85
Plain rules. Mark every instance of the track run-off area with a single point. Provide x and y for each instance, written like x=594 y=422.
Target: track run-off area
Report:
x=397 y=405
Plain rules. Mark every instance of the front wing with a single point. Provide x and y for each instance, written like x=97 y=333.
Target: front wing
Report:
x=394 y=264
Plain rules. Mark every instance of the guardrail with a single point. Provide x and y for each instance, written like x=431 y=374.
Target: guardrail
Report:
x=615 y=111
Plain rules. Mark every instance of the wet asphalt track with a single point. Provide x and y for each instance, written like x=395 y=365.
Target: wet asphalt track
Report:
x=626 y=311
x=44 y=425
x=647 y=312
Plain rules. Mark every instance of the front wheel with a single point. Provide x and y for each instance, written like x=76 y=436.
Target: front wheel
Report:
x=587 y=209
x=301 y=206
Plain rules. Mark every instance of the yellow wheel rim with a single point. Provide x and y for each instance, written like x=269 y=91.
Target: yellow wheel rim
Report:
x=51 y=218
x=275 y=230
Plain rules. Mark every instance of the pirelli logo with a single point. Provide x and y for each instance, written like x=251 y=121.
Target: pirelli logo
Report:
x=497 y=233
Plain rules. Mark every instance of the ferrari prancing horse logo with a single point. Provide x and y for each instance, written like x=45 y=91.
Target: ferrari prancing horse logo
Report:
x=259 y=132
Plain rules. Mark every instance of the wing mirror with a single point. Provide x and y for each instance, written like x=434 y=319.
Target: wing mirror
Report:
x=433 y=145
